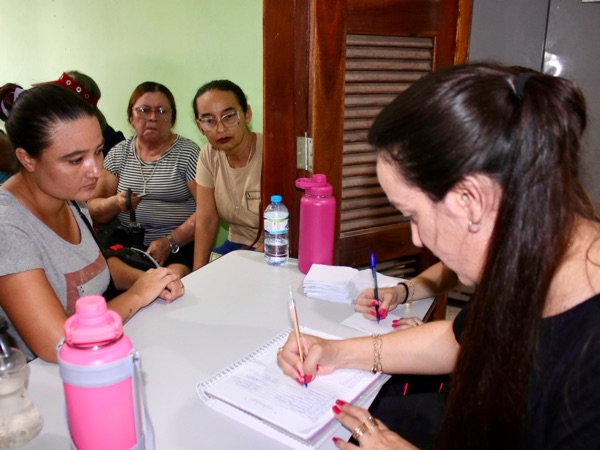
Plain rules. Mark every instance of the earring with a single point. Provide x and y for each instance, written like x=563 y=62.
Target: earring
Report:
x=474 y=227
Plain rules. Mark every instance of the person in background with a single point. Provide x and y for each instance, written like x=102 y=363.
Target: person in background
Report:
x=433 y=281
x=159 y=166
x=8 y=95
x=411 y=405
x=49 y=257
x=484 y=159
x=229 y=170
x=7 y=165
x=87 y=88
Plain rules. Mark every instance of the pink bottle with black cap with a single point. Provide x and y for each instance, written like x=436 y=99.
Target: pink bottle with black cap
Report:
x=101 y=376
x=317 y=222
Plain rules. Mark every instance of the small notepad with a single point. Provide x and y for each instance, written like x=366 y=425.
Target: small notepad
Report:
x=340 y=283
x=257 y=393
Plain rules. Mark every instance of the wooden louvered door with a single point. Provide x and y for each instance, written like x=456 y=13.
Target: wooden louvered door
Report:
x=377 y=69
x=329 y=68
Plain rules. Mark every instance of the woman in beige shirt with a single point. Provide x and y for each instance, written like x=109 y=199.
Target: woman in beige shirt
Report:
x=229 y=171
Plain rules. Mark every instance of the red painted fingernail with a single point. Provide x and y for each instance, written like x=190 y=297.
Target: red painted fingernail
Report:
x=317 y=367
x=335 y=439
x=336 y=410
x=308 y=378
x=382 y=312
x=340 y=402
x=394 y=325
x=300 y=381
x=299 y=373
x=374 y=303
x=373 y=313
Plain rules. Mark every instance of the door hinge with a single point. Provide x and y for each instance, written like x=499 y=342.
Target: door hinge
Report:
x=304 y=152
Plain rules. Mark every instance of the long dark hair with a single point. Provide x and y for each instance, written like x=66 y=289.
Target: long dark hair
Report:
x=36 y=112
x=525 y=133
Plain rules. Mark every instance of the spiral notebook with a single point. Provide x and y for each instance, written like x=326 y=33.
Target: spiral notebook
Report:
x=256 y=392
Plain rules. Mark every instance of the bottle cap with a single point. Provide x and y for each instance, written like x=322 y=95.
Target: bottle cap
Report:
x=275 y=198
x=316 y=185
x=93 y=323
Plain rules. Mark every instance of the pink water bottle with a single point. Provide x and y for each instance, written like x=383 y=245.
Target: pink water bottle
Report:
x=317 y=222
x=101 y=376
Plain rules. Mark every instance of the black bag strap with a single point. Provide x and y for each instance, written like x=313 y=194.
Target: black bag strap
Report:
x=111 y=285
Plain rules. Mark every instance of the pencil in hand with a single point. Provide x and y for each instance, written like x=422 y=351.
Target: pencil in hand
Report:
x=294 y=315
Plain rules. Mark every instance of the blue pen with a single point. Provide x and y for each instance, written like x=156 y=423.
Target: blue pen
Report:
x=374 y=271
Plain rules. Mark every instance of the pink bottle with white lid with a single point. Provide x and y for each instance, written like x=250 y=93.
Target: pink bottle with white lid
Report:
x=317 y=222
x=101 y=376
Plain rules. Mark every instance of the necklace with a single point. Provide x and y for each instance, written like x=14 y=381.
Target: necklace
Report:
x=145 y=179
x=236 y=196
x=247 y=161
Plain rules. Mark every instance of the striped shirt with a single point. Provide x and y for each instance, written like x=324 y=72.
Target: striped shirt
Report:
x=168 y=202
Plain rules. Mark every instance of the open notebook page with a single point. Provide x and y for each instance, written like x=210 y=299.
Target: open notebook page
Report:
x=258 y=387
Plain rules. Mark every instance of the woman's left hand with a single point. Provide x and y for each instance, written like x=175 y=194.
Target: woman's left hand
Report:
x=173 y=291
x=160 y=250
x=369 y=432
x=406 y=322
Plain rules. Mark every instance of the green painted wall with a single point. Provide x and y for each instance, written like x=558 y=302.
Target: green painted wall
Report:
x=121 y=43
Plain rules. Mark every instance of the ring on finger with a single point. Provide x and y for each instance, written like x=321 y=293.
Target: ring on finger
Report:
x=358 y=432
x=368 y=423
x=279 y=350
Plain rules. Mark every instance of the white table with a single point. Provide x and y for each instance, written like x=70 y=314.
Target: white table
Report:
x=231 y=306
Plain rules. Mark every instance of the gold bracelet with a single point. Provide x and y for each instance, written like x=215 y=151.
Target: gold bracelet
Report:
x=376 y=354
x=411 y=288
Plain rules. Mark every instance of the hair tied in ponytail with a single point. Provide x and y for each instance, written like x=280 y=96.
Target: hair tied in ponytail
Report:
x=520 y=83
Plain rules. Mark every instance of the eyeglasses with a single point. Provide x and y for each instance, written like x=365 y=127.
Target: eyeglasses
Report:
x=228 y=120
x=145 y=112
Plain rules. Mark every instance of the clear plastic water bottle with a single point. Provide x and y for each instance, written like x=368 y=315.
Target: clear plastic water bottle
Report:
x=276 y=232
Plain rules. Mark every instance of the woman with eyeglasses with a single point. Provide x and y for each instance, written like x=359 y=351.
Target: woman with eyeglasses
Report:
x=228 y=173
x=159 y=167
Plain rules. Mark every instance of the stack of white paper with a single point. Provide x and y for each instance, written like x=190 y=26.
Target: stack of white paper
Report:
x=340 y=283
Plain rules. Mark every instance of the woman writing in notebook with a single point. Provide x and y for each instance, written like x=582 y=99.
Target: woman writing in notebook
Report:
x=48 y=256
x=484 y=159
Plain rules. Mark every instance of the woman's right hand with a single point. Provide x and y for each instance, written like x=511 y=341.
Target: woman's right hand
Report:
x=121 y=200
x=319 y=357
x=389 y=299
x=160 y=282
